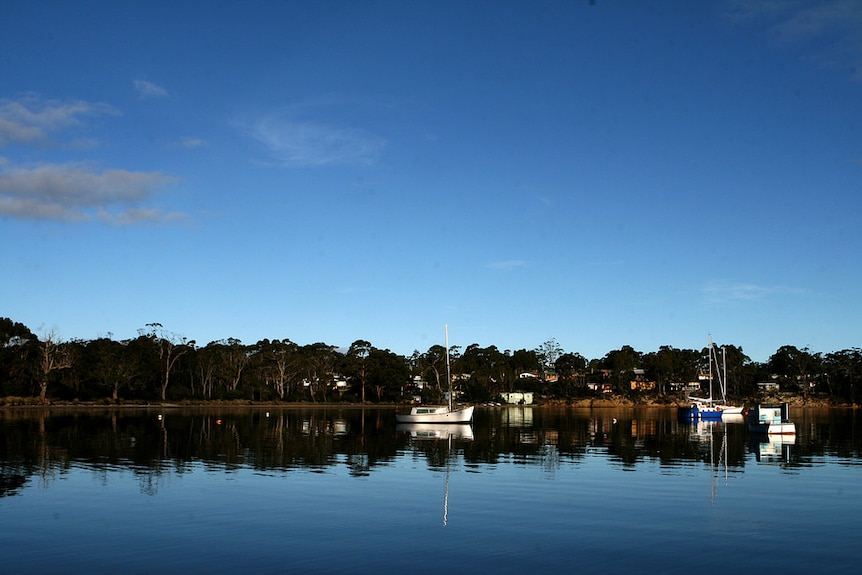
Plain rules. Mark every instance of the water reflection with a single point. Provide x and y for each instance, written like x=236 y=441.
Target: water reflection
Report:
x=772 y=448
x=431 y=431
x=42 y=446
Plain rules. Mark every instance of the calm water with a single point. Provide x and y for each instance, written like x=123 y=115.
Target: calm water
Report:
x=344 y=491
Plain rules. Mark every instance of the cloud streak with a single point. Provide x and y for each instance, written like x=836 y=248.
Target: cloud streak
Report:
x=293 y=138
x=192 y=143
x=31 y=121
x=71 y=192
x=722 y=291
x=796 y=22
x=507 y=265
x=74 y=191
x=147 y=90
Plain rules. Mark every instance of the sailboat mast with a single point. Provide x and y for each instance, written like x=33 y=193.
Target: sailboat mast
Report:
x=448 y=372
x=710 y=368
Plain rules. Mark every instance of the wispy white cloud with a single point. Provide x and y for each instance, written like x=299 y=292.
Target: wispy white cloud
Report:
x=722 y=290
x=507 y=264
x=71 y=192
x=135 y=216
x=305 y=135
x=192 y=143
x=300 y=144
x=30 y=120
x=829 y=30
x=149 y=90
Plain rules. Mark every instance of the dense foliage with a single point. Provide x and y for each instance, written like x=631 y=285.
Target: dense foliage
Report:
x=159 y=365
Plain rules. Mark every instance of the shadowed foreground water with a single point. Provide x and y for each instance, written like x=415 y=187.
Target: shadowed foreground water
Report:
x=346 y=490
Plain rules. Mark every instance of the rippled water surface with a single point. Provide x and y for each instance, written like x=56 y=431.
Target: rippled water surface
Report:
x=346 y=490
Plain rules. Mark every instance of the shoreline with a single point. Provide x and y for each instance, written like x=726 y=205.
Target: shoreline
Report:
x=589 y=403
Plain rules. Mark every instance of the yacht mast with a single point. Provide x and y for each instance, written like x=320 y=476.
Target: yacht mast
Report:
x=448 y=373
x=710 y=368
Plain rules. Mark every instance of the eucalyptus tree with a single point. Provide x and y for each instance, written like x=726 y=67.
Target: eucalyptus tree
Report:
x=740 y=380
x=103 y=360
x=355 y=364
x=234 y=359
x=318 y=361
x=502 y=371
x=386 y=372
x=435 y=361
x=279 y=363
x=548 y=353
x=659 y=366
x=207 y=361
x=78 y=380
x=18 y=350
x=622 y=363
x=13 y=333
x=490 y=371
x=843 y=373
x=525 y=361
x=170 y=347
x=54 y=356
x=222 y=364
x=416 y=363
x=571 y=368
x=795 y=366
x=672 y=365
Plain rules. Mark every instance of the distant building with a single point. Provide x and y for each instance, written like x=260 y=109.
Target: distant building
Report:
x=642 y=385
x=602 y=387
x=640 y=381
x=518 y=397
x=684 y=386
x=768 y=386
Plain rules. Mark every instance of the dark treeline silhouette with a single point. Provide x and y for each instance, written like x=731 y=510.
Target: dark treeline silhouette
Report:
x=160 y=365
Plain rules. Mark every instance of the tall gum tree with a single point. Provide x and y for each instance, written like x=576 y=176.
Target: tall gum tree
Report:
x=171 y=347
x=356 y=361
x=54 y=356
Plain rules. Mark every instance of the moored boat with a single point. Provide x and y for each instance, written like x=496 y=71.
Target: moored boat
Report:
x=771 y=420
x=438 y=413
x=709 y=408
x=726 y=410
x=700 y=408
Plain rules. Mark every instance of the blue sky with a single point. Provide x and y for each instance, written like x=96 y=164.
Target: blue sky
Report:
x=601 y=173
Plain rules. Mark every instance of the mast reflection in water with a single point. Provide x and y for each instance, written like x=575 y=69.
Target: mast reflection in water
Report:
x=221 y=490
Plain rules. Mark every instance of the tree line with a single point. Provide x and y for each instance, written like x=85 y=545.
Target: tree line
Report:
x=160 y=365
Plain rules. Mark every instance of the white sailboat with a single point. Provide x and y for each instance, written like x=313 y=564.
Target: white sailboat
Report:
x=438 y=413
x=708 y=407
x=726 y=409
x=700 y=408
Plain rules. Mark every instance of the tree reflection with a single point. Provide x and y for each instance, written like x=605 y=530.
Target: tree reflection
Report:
x=153 y=444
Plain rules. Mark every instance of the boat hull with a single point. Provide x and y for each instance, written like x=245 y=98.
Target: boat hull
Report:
x=696 y=412
x=784 y=428
x=464 y=415
x=771 y=420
